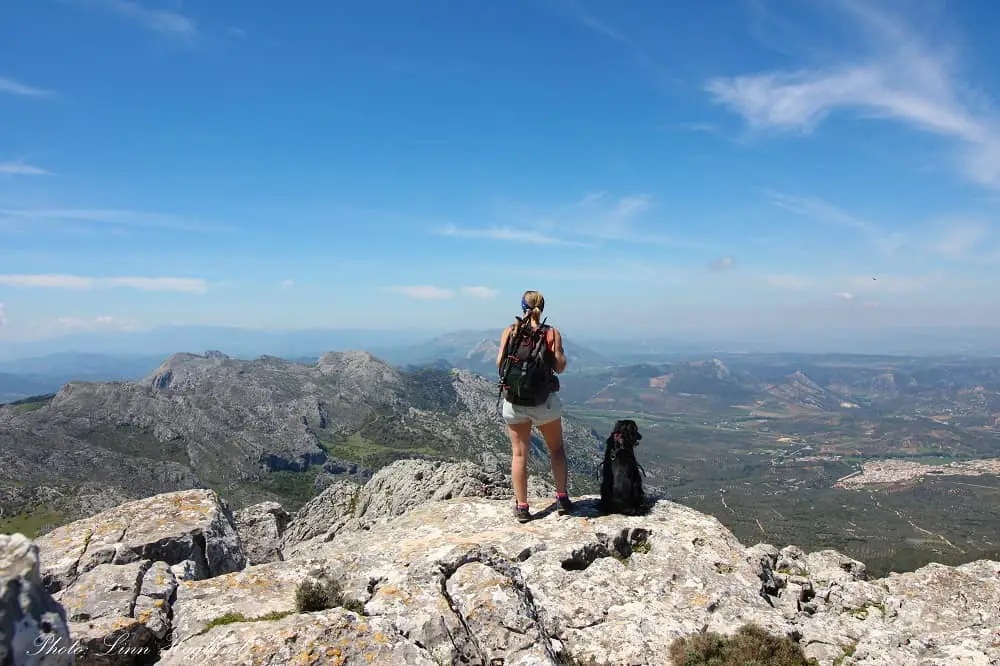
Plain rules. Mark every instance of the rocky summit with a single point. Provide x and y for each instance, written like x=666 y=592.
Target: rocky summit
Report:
x=424 y=564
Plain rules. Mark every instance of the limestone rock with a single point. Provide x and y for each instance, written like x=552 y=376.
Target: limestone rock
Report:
x=33 y=626
x=187 y=525
x=444 y=574
x=404 y=484
x=252 y=593
x=326 y=514
x=261 y=528
x=119 y=613
x=462 y=579
x=334 y=636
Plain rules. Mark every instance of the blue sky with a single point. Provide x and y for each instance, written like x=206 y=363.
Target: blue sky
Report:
x=661 y=166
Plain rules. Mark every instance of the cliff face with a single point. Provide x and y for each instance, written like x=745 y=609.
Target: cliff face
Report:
x=425 y=565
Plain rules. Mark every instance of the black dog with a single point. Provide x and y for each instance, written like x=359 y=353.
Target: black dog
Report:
x=621 y=483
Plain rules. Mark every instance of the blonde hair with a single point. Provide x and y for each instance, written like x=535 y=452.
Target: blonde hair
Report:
x=536 y=303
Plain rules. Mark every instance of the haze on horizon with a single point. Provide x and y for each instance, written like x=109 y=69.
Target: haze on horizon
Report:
x=768 y=167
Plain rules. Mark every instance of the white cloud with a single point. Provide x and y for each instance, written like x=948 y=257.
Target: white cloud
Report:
x=585 y=222
x=170 y=24
x=480 y=292
x=3 y=316
x=22 y=169
x=900 y=78
x=503 y=233
x=12 y=87
x=722 y=264
x=119 y=218
x=90 y=323
x=62 y=281
x=844 y=296
x=287 y=284
x=423 y=292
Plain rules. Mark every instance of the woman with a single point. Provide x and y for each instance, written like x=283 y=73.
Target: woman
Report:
x=547 y=416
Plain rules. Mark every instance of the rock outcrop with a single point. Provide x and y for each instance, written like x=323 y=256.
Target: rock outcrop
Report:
x=261 y=528
x=33 y=626
x=116 y=574
x=426 y=565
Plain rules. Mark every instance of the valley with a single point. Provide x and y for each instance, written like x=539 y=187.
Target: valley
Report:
x=889 y=459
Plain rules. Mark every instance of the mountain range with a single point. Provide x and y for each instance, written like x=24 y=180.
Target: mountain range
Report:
x=255 y=429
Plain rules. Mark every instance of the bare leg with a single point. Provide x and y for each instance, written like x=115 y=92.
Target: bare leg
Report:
x=552 y=432
x=520 y=441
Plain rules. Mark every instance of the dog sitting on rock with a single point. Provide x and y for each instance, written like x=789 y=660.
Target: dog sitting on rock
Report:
x=621 y=482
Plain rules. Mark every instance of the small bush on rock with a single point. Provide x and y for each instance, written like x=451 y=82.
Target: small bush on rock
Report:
x=317 y=595
x=750 y=646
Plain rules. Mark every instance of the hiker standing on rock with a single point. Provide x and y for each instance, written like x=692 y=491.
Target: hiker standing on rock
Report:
x=530 y=357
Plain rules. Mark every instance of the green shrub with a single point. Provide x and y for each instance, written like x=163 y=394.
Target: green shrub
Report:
x=750 y=646
x=317 y=595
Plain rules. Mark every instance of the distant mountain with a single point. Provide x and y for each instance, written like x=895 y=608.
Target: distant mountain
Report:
x=781 y=385
x=476 y=351
x=27 y=377
x=266 y=428
x=235 y=341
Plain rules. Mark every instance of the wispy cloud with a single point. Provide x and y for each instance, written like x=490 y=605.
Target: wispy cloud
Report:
x=576 y=11
x=22 y=169
x=821 y=211
x=170 y=24
x=3 y=315
x=504 y=234
x=480 y=292
x=91 y=323
x=13 y=87
x=962 y=239
x=954 y=238
x=899 y=78
x=287 y=284
x=432 y=293
x=423 y=292
x=63 y=281
x=844 y=296
x=722 y=264
x=586 y=222
x=116 y=218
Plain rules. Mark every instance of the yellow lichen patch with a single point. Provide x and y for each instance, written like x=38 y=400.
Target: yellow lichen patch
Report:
x=122 y=623
x=144 y=616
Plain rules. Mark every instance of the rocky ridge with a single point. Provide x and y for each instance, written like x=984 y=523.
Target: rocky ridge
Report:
x=234 y=425
x=433 y=569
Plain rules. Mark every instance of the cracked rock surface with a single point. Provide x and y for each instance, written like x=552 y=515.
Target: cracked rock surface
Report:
x=456 y=580
x=193 y=526
x=116 y=573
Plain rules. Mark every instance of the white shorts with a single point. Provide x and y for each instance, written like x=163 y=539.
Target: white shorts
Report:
x=547 y=412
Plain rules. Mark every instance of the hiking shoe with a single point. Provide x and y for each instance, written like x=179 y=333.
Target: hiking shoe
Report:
x=565 y=505
x=522 y=513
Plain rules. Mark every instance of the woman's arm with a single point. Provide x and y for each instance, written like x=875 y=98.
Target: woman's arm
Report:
x=503 y=346
x=557 y=350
